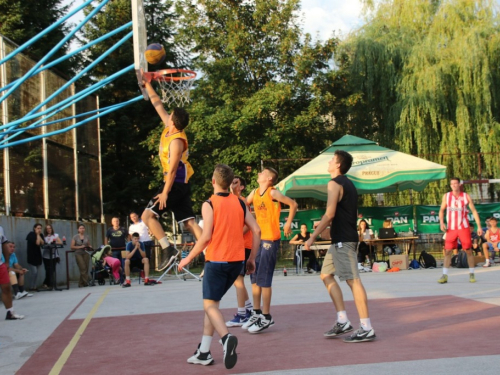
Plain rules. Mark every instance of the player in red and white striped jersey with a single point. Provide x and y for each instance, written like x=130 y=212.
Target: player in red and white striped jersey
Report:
x=455 y=203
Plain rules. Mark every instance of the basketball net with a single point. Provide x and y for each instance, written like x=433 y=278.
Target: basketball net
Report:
x=174 y=85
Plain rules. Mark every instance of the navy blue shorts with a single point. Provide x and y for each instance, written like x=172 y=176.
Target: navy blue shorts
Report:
x=218 y=278
x=244 y=268
x=265 y=261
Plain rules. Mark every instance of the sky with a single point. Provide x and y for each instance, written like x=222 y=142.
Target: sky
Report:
x=321 y=18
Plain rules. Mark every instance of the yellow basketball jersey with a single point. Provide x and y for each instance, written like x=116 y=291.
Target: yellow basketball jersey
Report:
x=267 y=213
x=184 y=170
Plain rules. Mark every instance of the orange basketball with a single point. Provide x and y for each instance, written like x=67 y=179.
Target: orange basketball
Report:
x=155 y=53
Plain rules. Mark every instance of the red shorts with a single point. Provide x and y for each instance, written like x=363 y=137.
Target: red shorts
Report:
x=4 y=274
x=451 y=239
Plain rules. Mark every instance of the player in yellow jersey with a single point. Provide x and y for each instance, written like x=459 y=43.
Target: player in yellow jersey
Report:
x=266 y=202
x=175 y=193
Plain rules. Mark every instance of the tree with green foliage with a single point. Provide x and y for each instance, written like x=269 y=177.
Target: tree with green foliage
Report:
x=423 y=78
x=22 y=20
x=261 y=92
x=126 y=159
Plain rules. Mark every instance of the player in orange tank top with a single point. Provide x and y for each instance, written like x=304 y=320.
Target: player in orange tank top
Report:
x=266 y=202
x=245 y=305
x=224 y=217
x=175 y=194
x=456 y=229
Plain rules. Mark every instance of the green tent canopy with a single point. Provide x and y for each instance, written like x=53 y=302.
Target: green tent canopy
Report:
x=374 y=169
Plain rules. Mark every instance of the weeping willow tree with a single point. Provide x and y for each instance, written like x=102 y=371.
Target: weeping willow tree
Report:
x=427 y=74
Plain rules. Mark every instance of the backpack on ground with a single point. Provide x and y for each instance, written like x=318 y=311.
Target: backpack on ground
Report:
x=414 y=264
x=461 y=260
x=426 y=260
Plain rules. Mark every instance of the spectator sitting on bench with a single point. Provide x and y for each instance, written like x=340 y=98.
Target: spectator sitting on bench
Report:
x=136 y=257
x=300 y=239
x=492 y=240
x=16 y=273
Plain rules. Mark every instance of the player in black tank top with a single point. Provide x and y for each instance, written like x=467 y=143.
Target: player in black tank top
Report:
x=341 y=259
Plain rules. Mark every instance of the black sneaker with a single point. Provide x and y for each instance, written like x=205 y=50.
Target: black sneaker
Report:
x=13 y=316
x=148 y=283
x=126 y=285
x=339 y=329
x=230 y=356
x=200 y=358
x=361 y=335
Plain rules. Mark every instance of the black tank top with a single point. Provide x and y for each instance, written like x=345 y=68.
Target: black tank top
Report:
x=343 y=228
x=301 y=237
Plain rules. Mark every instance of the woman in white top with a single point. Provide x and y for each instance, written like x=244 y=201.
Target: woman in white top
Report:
x=364 y=233
x=50 y=261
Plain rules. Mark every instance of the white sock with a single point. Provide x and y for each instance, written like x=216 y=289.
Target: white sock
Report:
x=205 y=344
x=11 y=310
x=471 y=270
x=127 y=278
x=366 y=324
x=342 y=317
x=241 y=311
x=164 y=242
x=445 y=271
x=488 y=261
x=248 y=304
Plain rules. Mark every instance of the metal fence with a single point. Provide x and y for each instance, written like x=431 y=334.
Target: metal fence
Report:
x=57 y=177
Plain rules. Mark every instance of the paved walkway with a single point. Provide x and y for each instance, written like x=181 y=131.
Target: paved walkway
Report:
x=422 y=327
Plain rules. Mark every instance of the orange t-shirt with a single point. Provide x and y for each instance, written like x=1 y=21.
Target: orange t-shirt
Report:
x=267 y=213
x=227 y=243
x=248 y=236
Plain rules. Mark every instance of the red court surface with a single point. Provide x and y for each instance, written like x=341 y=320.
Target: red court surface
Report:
x=407 y=329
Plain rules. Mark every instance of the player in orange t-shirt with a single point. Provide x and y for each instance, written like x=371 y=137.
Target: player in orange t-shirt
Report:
x=224 y=216
x=245 y=305
x=266 y=202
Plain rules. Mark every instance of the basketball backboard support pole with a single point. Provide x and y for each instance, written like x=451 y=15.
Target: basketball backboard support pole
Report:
x=140 y=42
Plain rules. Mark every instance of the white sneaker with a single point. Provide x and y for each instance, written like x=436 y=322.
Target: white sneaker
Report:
x=487 y=264
x=253 y=318
x=261 y=324
x=20 y=295
x=200 y=358
x=29 y=295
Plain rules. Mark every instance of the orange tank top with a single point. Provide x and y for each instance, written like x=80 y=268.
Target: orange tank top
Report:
x=227 y=243
x=267 y=213
x=248 y=236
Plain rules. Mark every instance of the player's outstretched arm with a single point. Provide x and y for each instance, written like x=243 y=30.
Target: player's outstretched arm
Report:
x=250 y=197
x=157 y=103
x=334 y=193
x=293 y=209
x=441 y=214
x=208 y=223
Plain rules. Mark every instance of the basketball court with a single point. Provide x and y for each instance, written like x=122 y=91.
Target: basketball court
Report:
x=421 y=327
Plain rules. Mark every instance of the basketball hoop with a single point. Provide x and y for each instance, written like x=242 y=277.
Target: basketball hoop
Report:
x=174 y=84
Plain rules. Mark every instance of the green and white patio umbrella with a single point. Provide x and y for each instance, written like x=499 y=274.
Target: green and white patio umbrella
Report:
x=375 y=169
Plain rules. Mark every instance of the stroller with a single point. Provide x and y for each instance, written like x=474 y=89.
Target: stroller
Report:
x=100 y=272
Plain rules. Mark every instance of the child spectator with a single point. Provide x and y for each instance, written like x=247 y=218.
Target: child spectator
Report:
x=113 y=263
